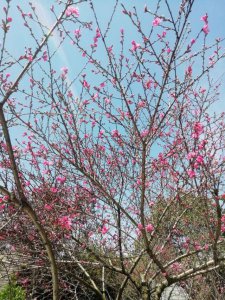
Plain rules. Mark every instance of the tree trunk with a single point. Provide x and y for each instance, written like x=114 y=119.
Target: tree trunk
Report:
x=145 y=292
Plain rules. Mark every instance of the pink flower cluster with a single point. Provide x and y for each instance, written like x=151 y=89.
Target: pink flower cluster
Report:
x=96 y=37
x=65 y=222
x=86 y=84
x=135 y=46
x=156 y=21
x=189 y=71
x=64 y=71
x=144 y=133
x=72 y=11
x=199 y=158
x=197 y=130
x=149 y=227
x=115 y=133
x=205 y=28
x=61 y=179
x=196 y=161
x=223 y=223
x=104 y=229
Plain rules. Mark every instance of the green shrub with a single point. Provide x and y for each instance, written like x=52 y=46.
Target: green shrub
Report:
x=12 y=291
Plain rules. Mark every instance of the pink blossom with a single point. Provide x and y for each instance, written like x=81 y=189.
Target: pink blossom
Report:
x=53 y=190
x=85 y=84
x=141 y=104
x=205 y=29
x=48 y=163
x=202 y=144
x=192 y=42
x=24 y=282
x=88 y=151
x=70 y=94
x=9 y=19
x=135 y=46
x=151 y=203
x=61 y=179
x=156 y=21
x=45 y=56
x=101 y=133
x=191 y=173
x=85 y=102
x=104 y=230
x=189 y=71
x=206 y=247
x=115 y=133
x=176 y=267
x=64 y=70
x=139 y=182
x=199 y=159
x=107 y=100
x=77 y=33
x=65 y=222
x=144 y=133
x=140 y=226
x=198 y=129
x=72 y=11
x=148 y=84
x=98 y=33
x=2 y=207
x=48 y=207
x=204 y=18
x=30 y=58
x=196 y=165
x=149 y=228
x=191 y=155
x=197 y=246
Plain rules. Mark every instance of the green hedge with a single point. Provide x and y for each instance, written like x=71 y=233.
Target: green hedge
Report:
x=12 y=291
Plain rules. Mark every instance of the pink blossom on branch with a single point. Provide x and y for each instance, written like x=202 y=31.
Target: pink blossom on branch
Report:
x=140 y=226
x=135 y=46
x=72 y=11
x=104 y=229
x=191 y=173
x=86 y=84
x=200 y=159
x=65 y=222
x=205 y=29
x=61 y=179
x=156 y=21
x=197 y=130
x=205 y=18
x=149 y=228
x=189 y=71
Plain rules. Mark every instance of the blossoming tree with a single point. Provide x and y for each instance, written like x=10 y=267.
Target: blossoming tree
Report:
x=117 y=186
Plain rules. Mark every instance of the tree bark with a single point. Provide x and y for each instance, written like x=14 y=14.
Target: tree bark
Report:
x=145 y=292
